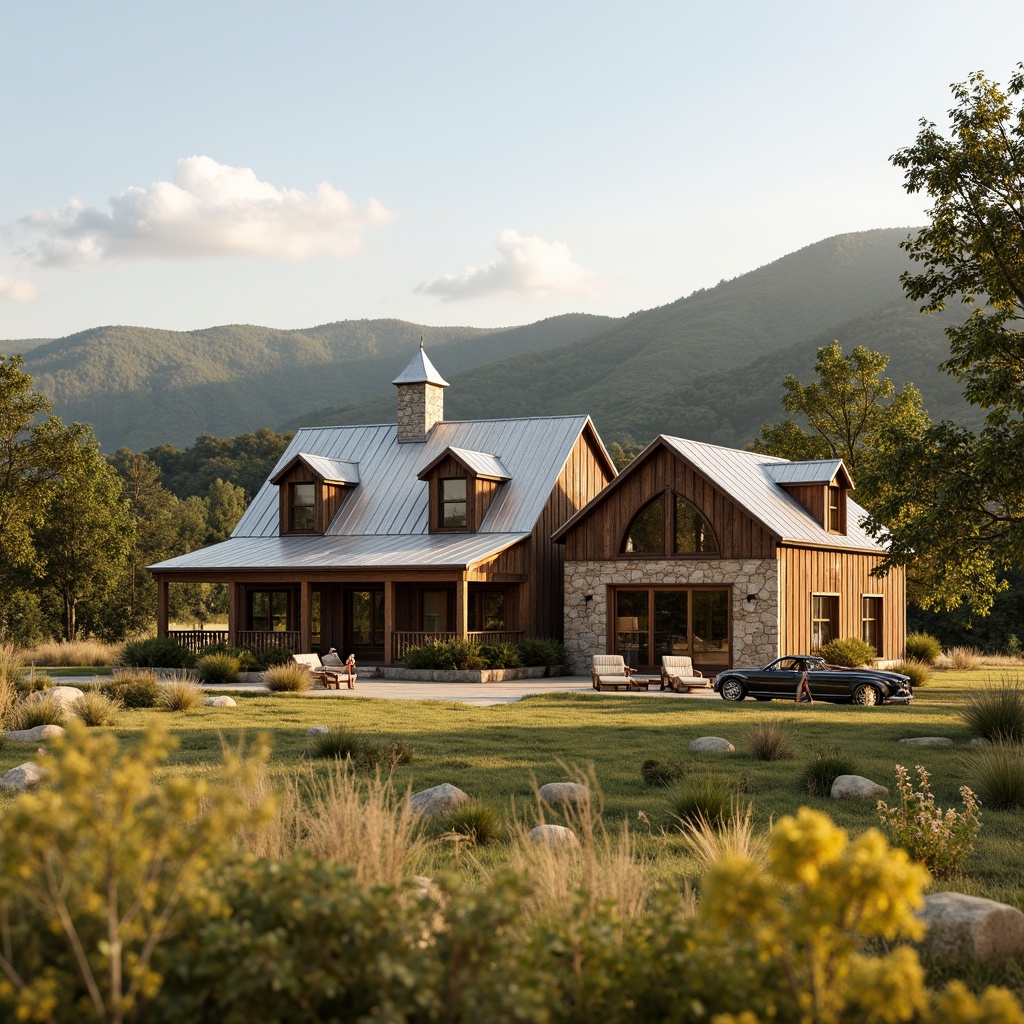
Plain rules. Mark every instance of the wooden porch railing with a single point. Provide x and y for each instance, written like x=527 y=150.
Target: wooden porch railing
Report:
x=255 y=640
x=195 y=640
x=401 y=642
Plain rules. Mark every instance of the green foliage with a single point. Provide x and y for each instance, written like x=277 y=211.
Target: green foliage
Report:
x=449 y=653
x=542 y=651
x=701 y=797
x=504 y=655
x=379 y=753
x=661 y=773
x=624 y=450
x=995 y=712
x=180 y=695
x=997 y=770
x=288 y=678
x=338 y=742
x=474 y=820
x=768 y=740
x=823 y=768
x=36 y=709
x=923 y=647
x=918 y=671
x=218 y=668
x=94 y=708
x=941 y=840
x=133 y=689
x=387 y=754
x=271 y=657
x=157 y=652
x=247 y=661
x=848 y=650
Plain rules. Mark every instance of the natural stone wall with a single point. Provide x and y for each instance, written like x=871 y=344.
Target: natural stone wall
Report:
x=420 y=406
x=755 y=630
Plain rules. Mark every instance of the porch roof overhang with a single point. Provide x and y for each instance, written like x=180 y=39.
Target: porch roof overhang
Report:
x=375 y=551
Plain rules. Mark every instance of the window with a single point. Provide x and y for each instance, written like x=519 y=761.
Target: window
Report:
x=690 y=532
x=453 y=504
x=435 y=611
x=693 y=534
x=824 y=620
x=835 y=519
x=268 y=610
x=871 y=622
x=645 y=535
x=486 y=610
x=303 y=506
x=367 y=618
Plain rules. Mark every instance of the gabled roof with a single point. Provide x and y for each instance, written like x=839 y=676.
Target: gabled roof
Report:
x=420 y=371
x=748 y=478
x=478 y=464
x=331 y=471
x=810 y=471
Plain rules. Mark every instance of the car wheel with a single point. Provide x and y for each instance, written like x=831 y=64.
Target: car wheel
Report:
x=866 y=694
x=733 y=689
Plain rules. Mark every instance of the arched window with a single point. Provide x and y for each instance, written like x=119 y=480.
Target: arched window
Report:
x=646 y=533
x=693 y=533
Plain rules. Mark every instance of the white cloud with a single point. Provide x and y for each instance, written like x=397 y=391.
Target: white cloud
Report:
x=17 y=291
x=209 y=209
x=526 y=267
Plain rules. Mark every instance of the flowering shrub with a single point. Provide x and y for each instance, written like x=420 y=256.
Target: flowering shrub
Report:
x=941 y=840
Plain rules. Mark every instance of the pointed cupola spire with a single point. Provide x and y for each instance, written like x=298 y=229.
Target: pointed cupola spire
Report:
x=420 y=397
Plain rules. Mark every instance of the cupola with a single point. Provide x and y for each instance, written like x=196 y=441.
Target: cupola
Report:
x=420 y=398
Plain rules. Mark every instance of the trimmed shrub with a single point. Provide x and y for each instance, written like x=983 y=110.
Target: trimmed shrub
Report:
x=271 y=658
x=337 y=743
x=139 y=689
x=247 y=661
x=542 y=651
x=180 y=695
x=661 y=773
x=922 y=647
x=768 y=740
x=918 y=671
x=448 y=653
x=701 y=798
x=156 y=652
x=473 y=820
x=501 y=655
x=995 y=712
x=218 y=669
x=850 y=651
x=289 y=678
x=27 y=713
x=998 y=773
x=824 y=767
x=963 y=659
x=94 y=709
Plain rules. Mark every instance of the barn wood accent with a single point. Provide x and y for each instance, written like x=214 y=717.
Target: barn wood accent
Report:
x=328 y=498
x=807 y=571
x=599 y=535
x=479 y=495
x=814 y=498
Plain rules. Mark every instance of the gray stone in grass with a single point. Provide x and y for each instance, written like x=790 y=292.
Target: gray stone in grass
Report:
x=856 y=787
x=437 y=800
x=317 y=730
x=563 y=793
x=40 y=732
x=25 y=776
x=971 y=928
x=223 y=701
x=711 y=745
x=63 y=695
x=977 y=741
x=929 y=741
x=554 y=835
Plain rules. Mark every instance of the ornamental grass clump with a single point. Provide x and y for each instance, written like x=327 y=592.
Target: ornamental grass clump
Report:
x=94 y=709
x=769 y=741
x=661 y=773
x=34 y=710
x=134 y=689
x=702 y=798
x=919 y=671
x=736 y=836
x=218 y=668
x=473 y=821
x=73 y=653
x=823 y=768
x=963 y=659
x=338 y=743
x=181 y=695
x=995 y=711
x=922 y=647
x=997 y=770
x=289 y=678
x=941 y=840
x=386 y=754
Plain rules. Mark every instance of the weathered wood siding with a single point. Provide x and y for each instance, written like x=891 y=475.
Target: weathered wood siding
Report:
x=328 y=498
x=807 y=571
x=600 y=534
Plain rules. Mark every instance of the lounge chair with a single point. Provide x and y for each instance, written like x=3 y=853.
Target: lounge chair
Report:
x=325 y=677
x=333 y=663
x=678 y=674
x=609 y=672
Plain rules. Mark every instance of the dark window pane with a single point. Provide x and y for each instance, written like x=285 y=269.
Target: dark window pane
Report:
x=710 y=620
x=631 y=622
x=670 y=631
x=646 y=534
x=693 y=532
x=454 y=514
x=453 y=489
x=453 y=504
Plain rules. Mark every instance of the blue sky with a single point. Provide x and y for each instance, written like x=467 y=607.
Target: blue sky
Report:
x=201 y=163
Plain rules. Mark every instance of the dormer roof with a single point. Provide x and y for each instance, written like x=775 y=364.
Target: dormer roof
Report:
x=811 y=471
x=420 y=371
x=330 y=471
x=482 y=465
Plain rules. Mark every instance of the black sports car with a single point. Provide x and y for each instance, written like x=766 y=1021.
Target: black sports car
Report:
x=826 y=682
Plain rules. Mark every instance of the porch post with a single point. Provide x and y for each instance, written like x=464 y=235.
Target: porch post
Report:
x=462 y=606
x=305 y=616
x=161 y=606
x=232 y=614
x=389 y=621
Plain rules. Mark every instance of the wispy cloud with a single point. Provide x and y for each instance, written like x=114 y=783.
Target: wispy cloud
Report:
x=208 y=209
x=527 y=267
x=12 y=290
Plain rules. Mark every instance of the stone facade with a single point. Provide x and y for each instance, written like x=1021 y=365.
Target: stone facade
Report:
x=420 y=407
x=755 y=626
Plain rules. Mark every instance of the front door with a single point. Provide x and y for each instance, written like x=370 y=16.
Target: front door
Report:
x=364 y=624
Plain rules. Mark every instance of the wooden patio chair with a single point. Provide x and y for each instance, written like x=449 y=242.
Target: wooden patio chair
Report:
x=332 y=662
x=610 y=672
x=327 y=678
x=678 y=674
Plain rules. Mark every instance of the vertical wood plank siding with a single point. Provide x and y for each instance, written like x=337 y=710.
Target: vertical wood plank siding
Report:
x=807 y=571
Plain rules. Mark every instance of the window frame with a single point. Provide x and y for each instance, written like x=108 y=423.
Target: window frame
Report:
x=294 y=506
x=878 y=619
x=832 y=619
x=669 y=500
x=443 y=502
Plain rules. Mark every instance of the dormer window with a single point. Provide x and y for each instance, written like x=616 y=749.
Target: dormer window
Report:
x=312 y=489
x=835 y=519
x=303 y=507
x=453 y=503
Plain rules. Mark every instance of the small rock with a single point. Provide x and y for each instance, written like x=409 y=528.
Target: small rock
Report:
x=563 y=793
x=929 y=741
x=25 y=776
x=856 y=787
x=222 y=701
x=977 y=741
x=554 y=835
x=40 y=732
x=971 y=928
x=63 y=695
x=711 y=745
x=437 y=800
x=317 y=730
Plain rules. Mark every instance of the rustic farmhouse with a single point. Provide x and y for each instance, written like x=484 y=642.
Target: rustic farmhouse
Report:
x=371 y=538
x=730 y=557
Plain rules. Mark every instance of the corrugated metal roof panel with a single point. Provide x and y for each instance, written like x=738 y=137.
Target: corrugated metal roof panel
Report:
x=811 y=471
x=332 y=470
x=482 y=463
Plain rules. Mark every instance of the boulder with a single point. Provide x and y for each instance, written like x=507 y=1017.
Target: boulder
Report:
x=929 y=741
x=317 y=730
x=222 y=701
x=977 y=741
x=437 y=800
x=25 y=776
x=856 y=787
x=971 y=928
x=564 y=793
x=554 y=835
x=40 y=732
x=63 y=695
x=711 y=745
